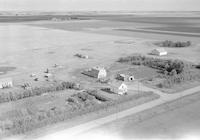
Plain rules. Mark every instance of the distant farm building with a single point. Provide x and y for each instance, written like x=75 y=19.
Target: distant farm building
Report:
x=33 y=75
x=6 y=83
x=55 y=19
x=60 y=19
x=96 y=72
x=159 y=52
x=124 y=77
x=81 y=56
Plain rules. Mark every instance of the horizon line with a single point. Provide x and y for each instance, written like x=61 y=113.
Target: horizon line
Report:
x=99 y=11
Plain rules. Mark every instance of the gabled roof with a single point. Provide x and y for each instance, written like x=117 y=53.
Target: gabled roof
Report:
x=93 y=72
x=118 y=84
x=123 y=84
x=98 y=68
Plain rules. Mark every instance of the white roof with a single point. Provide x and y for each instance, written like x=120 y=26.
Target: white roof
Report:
x=119 y=84
x=98 y=68
x=123 y=84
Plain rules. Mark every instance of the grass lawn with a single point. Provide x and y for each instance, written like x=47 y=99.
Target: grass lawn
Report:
x=139 y=72
x=188 y=29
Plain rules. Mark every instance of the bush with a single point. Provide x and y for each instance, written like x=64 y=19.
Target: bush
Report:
x=98 y=96
x=198 y=66
x=172 y=79
x=160 y=64
x=168 y=43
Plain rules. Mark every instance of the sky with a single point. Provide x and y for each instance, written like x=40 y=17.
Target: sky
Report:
x=100 y=5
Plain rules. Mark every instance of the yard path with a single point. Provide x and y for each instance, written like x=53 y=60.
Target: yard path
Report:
x=74 y=131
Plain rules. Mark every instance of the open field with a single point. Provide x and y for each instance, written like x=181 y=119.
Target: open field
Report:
x=132 y=29
x=149 y=19
x=179 y=24
x=159 y=31
x=191 y=29
x=30 y=18
x=174 y=120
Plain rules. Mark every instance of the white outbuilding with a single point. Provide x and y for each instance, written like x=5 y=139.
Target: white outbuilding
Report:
x=96 y=72
x=6 y=83
x=159 y=52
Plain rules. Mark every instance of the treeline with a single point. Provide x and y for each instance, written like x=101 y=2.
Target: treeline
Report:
x=164 y=65
x=177 y=44
x=171 y=80
x=14 y=95
x=198 y=66
x=172 y=71
x=76 y=105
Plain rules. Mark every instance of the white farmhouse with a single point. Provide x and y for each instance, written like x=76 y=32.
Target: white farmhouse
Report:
x=6 y=83
x=159 y=52
x=122 y=89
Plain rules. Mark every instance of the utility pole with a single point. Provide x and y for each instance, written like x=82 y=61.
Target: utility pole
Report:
x=138 y=86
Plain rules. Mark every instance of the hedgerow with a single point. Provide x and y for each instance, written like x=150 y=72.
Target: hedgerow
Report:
x=13 y=95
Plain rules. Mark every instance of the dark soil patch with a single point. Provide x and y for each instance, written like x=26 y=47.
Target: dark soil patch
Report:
x=50 y=52
x=4 y=69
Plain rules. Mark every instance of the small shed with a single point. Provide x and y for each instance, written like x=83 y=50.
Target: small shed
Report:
x=125 y=77
x=33 y=75
x=48 y=75
x=6 y=83
x=96 y=72
x=159 y=52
